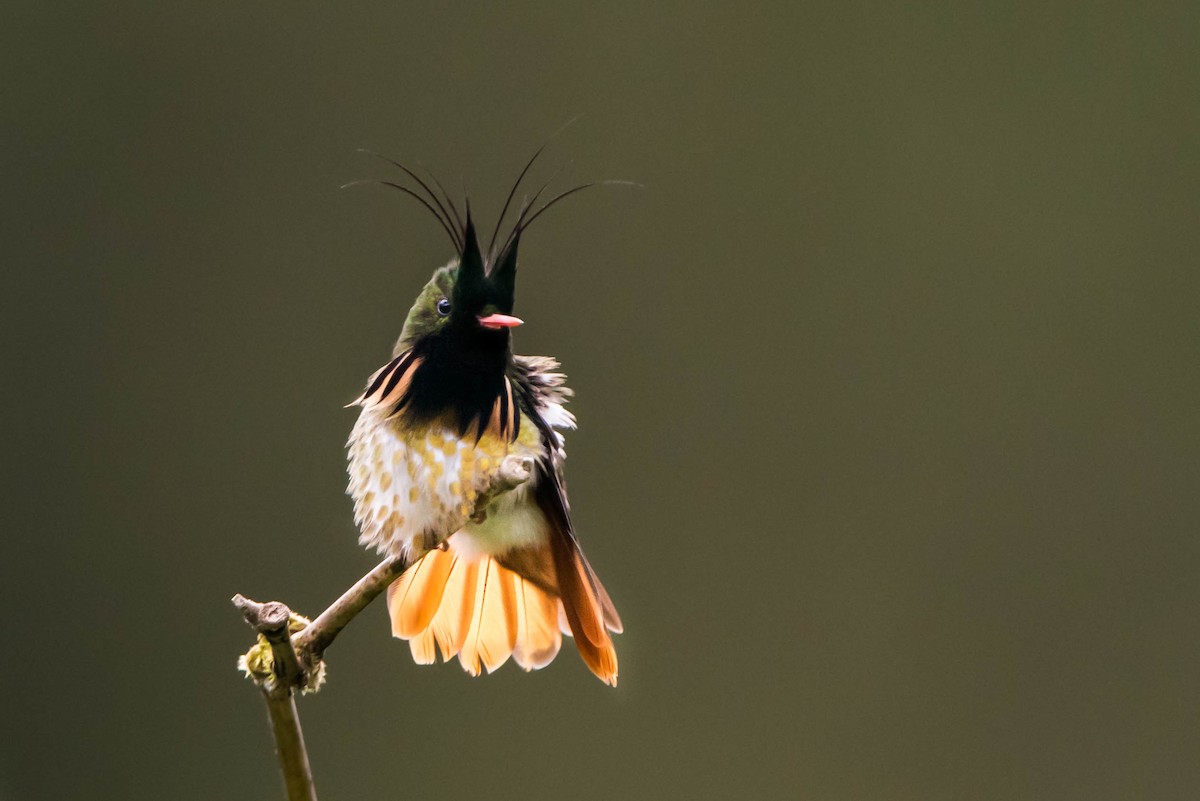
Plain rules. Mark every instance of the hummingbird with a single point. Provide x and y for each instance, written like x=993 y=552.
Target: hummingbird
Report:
x=488 y=575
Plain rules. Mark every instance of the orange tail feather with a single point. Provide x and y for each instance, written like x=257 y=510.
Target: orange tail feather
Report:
x=586 y=613
x=477 y=610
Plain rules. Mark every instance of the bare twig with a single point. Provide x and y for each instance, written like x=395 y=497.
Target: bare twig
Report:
x=296 y=658
x=289 y=744
x=272 y=620
x=319 y=634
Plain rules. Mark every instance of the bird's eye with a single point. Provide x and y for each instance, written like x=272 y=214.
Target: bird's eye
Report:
x=443 y=306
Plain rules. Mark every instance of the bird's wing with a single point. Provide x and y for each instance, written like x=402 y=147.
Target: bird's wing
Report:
x=589 y=610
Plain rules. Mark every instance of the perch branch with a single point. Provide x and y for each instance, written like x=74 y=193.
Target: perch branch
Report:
x=296 y=658
x=319 y=635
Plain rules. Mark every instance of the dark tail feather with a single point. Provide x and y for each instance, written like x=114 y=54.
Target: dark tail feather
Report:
x=586 y=613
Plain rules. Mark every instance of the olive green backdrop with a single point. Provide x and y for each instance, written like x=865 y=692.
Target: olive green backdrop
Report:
x=887 y=384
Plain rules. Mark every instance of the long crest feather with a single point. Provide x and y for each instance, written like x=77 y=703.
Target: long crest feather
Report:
x=508 y=201
x=444 y=216
x=446 y=211
x=446 y=195
x=491 y=251
x=393 y=185
x=523 y=224
x=514 y=236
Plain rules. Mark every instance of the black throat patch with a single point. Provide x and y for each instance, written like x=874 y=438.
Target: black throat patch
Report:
x=438 y=379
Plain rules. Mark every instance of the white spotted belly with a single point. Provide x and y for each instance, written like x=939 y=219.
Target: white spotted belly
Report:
x=412 y=488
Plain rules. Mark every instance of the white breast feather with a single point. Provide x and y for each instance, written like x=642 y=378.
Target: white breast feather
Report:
x=407 y=490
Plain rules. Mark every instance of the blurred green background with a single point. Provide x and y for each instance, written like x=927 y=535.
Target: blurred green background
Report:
x=887 y=384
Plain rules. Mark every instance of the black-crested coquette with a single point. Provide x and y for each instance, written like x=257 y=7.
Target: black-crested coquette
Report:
x=491 y=574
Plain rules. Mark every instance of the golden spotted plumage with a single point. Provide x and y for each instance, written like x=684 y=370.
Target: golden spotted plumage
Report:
x=412 y=485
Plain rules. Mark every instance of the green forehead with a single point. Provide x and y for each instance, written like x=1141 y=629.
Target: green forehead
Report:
x=439 y=284
x=443 y=278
